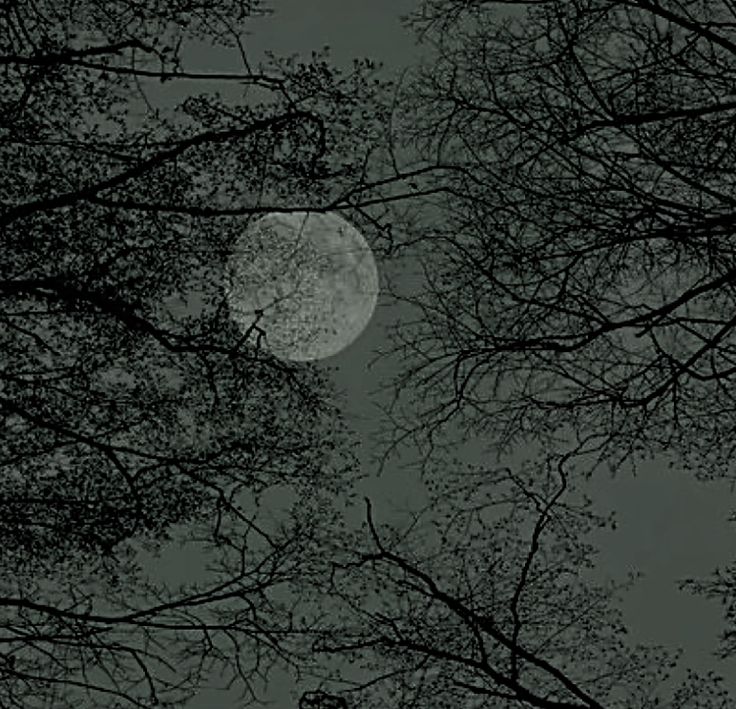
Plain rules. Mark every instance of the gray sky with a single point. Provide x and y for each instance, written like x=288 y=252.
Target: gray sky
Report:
x=669 y=525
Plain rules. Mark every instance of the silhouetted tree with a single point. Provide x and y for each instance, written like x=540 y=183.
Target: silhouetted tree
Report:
x=134 y=413
x=720 y=585
x=321 y=700
x=579 y=262
x=484 y=600
x=122 y=638
x=577 y=279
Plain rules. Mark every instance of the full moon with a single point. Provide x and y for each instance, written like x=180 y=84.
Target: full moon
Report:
x=308 y=281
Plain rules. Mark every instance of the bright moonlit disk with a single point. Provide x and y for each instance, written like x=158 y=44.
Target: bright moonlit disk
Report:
x=313 y=277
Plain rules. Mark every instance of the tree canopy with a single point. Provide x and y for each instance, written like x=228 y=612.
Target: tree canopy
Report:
x=561 y=175
x=134 y=412
x=579 y=259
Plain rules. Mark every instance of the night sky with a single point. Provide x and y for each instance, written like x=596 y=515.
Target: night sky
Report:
x=668 y=525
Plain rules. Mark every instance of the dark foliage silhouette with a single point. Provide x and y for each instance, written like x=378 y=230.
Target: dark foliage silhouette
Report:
x=137 y=419
x=484 y=599
x=135 y=415
x=580 y=258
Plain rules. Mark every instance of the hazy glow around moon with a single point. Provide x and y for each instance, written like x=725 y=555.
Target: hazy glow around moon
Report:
x=312 y=275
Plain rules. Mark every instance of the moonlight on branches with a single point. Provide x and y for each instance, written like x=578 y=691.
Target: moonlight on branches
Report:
x=308 y=281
